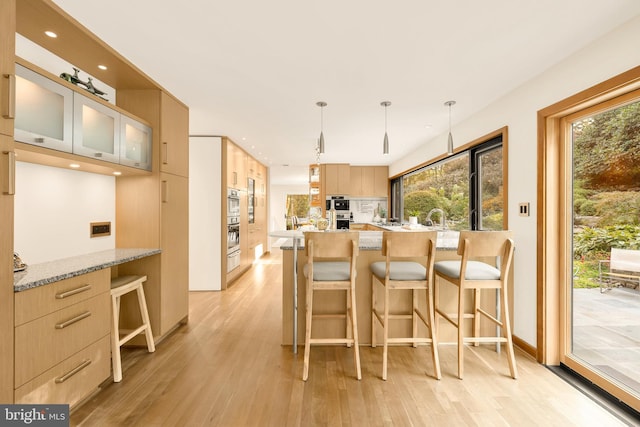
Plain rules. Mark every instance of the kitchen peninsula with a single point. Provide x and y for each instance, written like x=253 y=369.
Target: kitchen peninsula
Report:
x=370 y=251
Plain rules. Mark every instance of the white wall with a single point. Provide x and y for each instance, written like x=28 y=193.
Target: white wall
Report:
x=612 y=54
x=278 y=203
x=205 y=176
x=53 y=210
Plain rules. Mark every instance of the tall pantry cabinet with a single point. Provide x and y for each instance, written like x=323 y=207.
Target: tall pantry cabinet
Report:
x=153 y=211
x=7 y=168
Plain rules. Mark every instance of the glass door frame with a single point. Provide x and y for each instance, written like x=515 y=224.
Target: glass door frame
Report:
x=554 y=223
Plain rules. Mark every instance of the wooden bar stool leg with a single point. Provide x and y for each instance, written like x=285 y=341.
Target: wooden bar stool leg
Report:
x=354 y=324
x=142 y=302
x=385 y=331
x=348 y=319
x=476 y=315
x=373 y=314
x=460 y=331
x=307 y=338
x=506 y=330
x=115 y=339
x=434 y=336
x=414 y=316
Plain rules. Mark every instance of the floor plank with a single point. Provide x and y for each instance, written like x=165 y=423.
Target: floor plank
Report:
x=227 y=368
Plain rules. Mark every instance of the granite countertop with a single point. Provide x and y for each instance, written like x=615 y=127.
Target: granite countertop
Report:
x=53 y=271
x=372 y=240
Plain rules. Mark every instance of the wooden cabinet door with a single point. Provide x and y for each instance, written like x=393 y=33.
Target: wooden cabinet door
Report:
x=368 y=182
x=381 y=179
x=355 y=188
x=7 y=175
x=174 y=136
x=336 y=179
x=175 y=251
x=7 y=67
x=236 y=167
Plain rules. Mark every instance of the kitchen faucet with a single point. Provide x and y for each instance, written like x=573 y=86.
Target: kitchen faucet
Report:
x=443 y=222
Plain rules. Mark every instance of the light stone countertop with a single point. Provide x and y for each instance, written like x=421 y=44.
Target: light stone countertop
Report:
x=53 y=271
x=372 y=240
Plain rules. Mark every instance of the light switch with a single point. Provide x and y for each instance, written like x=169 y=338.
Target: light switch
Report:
x=524 y=209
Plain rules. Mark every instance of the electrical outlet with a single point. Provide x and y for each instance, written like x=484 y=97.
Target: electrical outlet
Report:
x=524 y=209
x=100 y=229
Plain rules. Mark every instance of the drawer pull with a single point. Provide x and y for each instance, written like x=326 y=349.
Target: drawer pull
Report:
x=9 y=104
x=74 y=371
x=66 y=294
x=74 y=320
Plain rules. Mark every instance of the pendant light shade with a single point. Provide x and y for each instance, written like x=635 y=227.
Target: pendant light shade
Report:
x=385 y=143
x=450 y=137
x=321 y=104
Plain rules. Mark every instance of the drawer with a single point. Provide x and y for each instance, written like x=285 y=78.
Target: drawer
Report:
x=45 y=299
x=71 y=380
x=47 y=341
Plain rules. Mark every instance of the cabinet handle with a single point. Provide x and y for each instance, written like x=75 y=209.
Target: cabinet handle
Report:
x=66 y=294
x=74 y=371
x=165 y=192
x=11 y=173
x=235 y=178
x=165 y=153
x=74 y=320
x=9 y=106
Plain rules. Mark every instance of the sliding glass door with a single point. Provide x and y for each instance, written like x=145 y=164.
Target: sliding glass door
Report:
x=602 y=314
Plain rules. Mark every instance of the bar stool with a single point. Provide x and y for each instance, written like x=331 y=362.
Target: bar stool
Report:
x=120 y=286
x=337 y=274
x=394 y=273
x=471 y=274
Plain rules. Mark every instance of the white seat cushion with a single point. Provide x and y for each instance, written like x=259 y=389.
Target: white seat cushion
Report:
x=399 y=270
x=476 y=270
x=329 y=271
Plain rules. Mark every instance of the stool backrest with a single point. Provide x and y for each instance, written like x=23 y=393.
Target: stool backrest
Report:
x=475 y=244
x=404 y=244
x=324 y=244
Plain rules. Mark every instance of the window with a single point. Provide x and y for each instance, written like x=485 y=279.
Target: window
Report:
x=467 y=189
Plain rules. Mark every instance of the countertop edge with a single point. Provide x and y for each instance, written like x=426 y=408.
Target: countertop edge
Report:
x=57 y=270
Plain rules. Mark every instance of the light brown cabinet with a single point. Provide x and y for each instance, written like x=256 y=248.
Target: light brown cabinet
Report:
x=369 y=181
x=336 y=179
x=153 y=211
x=174 y=119
x=7 y=76
x=175 y=251
x=236 y=161
x=238 y=168
x=62 y=339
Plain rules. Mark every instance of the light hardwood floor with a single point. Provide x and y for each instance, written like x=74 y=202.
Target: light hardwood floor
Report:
x=227 y=368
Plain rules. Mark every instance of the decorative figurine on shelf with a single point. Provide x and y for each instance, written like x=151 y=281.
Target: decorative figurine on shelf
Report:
x=88 y=85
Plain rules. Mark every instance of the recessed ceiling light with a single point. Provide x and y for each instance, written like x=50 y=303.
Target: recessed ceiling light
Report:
x=74 y=165
x=102 y=67
x=51 y=34
x=116 y=173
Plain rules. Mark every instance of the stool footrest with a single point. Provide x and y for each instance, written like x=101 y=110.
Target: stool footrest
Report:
x=131 y=334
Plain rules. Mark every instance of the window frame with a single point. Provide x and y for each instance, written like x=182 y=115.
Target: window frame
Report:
x=474 y=148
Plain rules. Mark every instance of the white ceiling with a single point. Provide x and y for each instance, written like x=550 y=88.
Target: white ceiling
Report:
x=254 y=70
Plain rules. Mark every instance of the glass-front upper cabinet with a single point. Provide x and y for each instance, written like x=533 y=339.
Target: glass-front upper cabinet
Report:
x=44 y=111
x=135 y=143
x=96 y=129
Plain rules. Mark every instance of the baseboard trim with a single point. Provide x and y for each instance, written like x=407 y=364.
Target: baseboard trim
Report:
x=525 y=346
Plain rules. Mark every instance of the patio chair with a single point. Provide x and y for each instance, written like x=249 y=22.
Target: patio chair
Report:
x=624 y=268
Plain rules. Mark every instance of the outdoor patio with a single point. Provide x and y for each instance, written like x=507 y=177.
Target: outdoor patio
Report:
x=606 y=332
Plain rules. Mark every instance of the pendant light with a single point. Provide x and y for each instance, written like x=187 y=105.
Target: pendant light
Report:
x=321 y=104
x=450 y=138
x=385 y=143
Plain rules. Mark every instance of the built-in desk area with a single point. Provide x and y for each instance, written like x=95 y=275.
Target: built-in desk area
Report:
x=370 y=251
x=63 y=324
